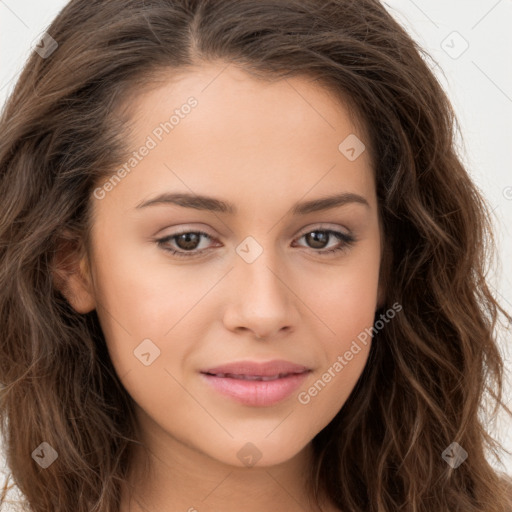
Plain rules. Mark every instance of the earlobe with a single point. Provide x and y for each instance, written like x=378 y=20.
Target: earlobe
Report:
x=72 y=276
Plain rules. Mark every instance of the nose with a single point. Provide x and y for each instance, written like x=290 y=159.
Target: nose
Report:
x=262 y=300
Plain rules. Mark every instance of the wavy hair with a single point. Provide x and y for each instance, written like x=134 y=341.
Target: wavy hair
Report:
x=432 y=372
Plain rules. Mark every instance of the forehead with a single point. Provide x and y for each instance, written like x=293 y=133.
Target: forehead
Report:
x=259 y=137
x=227 y=93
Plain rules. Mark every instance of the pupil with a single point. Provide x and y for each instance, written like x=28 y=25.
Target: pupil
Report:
x=317 y=239
x=191 y=240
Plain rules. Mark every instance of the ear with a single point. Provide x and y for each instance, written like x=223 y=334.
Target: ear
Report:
x=72 y=275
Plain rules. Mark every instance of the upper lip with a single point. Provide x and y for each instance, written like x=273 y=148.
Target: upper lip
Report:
x=255 y=368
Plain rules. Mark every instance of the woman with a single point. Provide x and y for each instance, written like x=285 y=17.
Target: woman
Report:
x=242 y=267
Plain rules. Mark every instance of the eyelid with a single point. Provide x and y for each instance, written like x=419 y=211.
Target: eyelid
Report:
x=304 y=231
x=347 y=239
x=323 y=227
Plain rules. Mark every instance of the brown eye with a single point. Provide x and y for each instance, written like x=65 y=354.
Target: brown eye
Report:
x=184 y=244
x=187 y=241
x=317 y=239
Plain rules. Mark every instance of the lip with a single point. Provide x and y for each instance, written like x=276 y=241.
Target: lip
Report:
x=283 y=378
x=255 y=368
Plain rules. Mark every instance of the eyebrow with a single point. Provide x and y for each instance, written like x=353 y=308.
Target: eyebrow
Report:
x=216 y=205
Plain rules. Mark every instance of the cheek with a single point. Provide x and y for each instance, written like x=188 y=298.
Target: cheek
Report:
x=347 y=308
x=134 y=303
x=345 y=297
x=135 y=292
x=326 y=394
x=142 y=301
x=345 y=302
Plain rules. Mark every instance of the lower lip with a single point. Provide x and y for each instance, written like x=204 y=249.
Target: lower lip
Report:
x=257 y=393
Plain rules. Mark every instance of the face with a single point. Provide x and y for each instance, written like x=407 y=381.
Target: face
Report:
x=263 y=271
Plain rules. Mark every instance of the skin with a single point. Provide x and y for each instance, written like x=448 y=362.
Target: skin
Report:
x=262 y=147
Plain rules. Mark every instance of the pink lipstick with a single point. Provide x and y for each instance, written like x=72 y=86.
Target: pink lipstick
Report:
x=255 y=383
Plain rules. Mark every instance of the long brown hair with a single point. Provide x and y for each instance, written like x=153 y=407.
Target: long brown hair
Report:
x=431 y=371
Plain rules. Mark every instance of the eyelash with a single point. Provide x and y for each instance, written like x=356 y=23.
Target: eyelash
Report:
x=348 y=241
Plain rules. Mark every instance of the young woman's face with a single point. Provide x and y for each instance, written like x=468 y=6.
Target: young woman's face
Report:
x=259 y=285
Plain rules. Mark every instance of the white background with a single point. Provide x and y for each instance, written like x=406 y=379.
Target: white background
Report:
x=478 y=81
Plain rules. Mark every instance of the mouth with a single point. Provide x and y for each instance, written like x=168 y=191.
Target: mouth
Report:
x=256 y=384
x=251 y=377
